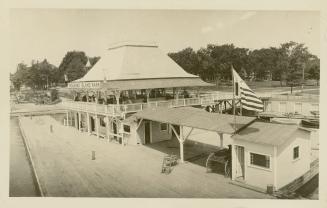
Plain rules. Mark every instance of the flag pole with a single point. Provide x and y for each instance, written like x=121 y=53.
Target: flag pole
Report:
x=233 y=101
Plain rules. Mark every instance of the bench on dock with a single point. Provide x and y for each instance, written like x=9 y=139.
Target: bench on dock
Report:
x=168 y=162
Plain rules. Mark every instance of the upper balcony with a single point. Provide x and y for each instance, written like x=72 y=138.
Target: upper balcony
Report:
x=121 y=110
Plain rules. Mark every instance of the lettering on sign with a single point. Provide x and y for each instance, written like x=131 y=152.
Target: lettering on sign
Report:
x=84 y=85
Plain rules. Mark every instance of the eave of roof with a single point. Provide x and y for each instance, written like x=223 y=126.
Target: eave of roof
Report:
x=196 y=118
x=155 y=83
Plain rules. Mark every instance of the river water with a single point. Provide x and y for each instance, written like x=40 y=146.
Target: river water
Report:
x=21 y=182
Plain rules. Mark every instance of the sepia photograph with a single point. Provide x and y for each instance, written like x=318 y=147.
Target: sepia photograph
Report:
x=159 y=103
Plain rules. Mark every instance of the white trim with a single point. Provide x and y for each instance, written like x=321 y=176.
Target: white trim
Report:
x=257 y=166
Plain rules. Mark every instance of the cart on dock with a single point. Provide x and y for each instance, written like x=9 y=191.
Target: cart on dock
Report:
x=221 y=157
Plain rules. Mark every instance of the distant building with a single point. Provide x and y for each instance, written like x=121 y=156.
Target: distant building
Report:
x=284 y=104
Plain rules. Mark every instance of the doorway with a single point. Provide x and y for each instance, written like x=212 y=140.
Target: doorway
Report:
x=147 y=132
x=240 y=174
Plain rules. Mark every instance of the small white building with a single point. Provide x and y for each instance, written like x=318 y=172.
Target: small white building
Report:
x=266 y=154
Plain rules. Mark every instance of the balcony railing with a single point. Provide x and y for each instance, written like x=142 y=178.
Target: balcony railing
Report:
x=120 y=110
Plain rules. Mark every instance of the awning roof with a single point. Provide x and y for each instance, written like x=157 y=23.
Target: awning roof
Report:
x=267 y=133
x=193 y=117
x=154 y=83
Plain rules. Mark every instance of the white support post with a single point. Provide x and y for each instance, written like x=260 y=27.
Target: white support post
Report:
x=233 y=162
x=67 y=119
x=147 y=91
x=97 y=124
x=79 y=121
x=177 y=93
x=221 y=139
x=75 y=121
x=117 y=96
x=107 y=127
x=88 y=123
x=181 y=143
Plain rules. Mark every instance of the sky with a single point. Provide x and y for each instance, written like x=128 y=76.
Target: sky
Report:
x=50 y=33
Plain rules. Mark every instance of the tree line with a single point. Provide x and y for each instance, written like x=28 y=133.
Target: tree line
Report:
x=284 y=63
x=42 y=74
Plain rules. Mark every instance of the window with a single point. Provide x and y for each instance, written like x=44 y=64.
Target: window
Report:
x=163 y=126
x=102 y=123
x=260 y=160
x=127 y=129
x=296 y=152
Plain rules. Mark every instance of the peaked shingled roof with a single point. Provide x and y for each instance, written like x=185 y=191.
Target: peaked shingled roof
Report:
x=130 y=61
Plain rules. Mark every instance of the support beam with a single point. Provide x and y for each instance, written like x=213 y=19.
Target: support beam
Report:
x=139 y=124
x=181 y=143
x=88 y=123
x=97 y=125
x=174 y=130
x=107 y=127
x=117 y=96
x=233 y=162
x=147 y=91
x=67 y=118
x=75 y=120
x=177 y=93
x=221 y=140
x=79 y=121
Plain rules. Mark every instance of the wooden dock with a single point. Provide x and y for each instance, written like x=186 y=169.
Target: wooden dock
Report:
x=64 y=165
x=289 y=191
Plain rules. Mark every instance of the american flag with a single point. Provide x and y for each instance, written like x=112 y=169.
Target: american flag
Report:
x=249 y=100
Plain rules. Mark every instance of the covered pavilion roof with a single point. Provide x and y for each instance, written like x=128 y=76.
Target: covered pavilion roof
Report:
x=138 y=66
x=196 y=118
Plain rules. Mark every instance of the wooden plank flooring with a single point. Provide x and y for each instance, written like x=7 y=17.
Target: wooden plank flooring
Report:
x=65 y=168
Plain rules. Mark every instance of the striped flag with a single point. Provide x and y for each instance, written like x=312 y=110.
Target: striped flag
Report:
x=249 y=100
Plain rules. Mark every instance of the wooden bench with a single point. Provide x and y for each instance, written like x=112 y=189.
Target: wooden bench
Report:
x=168 y=162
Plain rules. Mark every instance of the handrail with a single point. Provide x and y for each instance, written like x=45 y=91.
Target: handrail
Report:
x=119 y=110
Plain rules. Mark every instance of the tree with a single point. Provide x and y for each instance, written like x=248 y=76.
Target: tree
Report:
x=17 y=78
x=313 y=68
x=73 y=65
x=187 y=59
